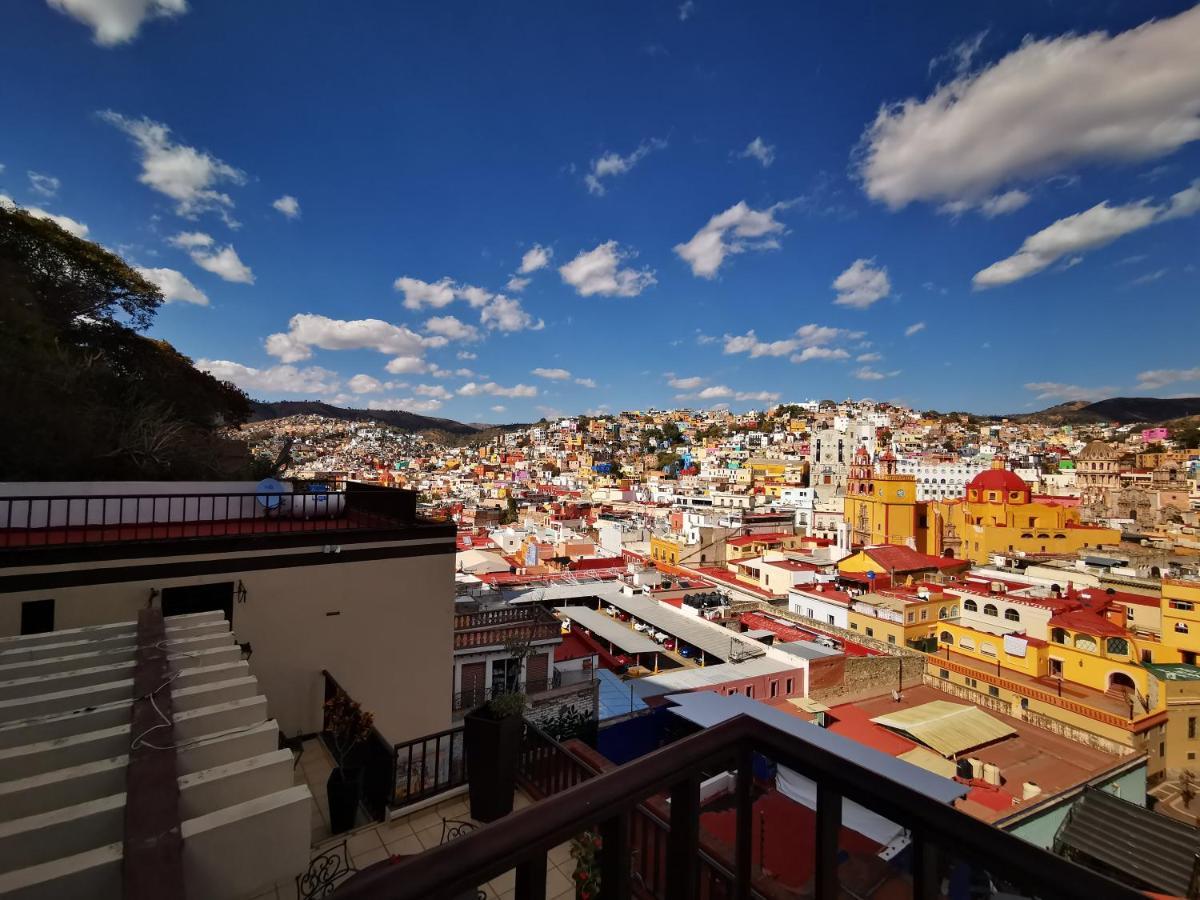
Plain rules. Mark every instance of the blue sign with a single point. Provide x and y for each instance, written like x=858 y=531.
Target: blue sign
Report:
x=870 y=575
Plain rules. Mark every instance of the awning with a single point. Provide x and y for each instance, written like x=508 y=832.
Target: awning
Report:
x=947 y=728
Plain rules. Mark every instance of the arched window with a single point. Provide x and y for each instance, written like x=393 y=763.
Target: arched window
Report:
x=970 y=606
x=966 y=643
x=1085 y=642
x=1058 y=636
x=942 y=614
x=946 y=638
x=1117 y=646
x=954 y=612
x=990 y=610
x=987 y=649
x=1012 y=615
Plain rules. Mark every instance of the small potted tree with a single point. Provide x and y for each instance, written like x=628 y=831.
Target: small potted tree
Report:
x=347 y=724
x=492 y=733
x=585 y=849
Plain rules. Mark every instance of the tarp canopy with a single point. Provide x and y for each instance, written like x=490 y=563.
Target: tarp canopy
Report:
x=930 y=761
x=947 y=728
x=620 y=635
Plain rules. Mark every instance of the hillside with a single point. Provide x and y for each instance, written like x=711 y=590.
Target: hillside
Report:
x=1126 y=410
x=397 y=418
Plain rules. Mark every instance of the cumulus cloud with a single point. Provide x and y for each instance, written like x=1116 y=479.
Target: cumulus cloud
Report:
x=1088 y=230
x=516 y=284
x=866 y=373
x=552 y=374
x=810 y=353
x=722 y=392
x=406 y=365
x=66 y=223
x=418 y=293
x=46 y=185
x=452 y=329
x=281 y=379
x=1049 y=105
x=225 y=263
x=861 y=285
x=288 y=205
x=1001 y=204
x=467 y=354
x=499 y=408
x=586 y=382
x=749 y=343
x=1156 y=378
x=506 y=314
x=308 y=330
x=190 y=240
x=432 y=390
x=689 y=383
x=811 y=340
x=174 y=286
x=536 y=257
x=611 y=164
x=686 y=8
x=914 y=328
x=868 y=357
x=409 y=404
x=471 y=389
x=364 y=384
x=760 y=150
x=117 y=21
x=598 y=271
x=1056 y=390
x=735 y=230
x=186 y=175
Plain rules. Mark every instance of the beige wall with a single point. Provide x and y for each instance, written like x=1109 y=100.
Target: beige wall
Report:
x=389 y=646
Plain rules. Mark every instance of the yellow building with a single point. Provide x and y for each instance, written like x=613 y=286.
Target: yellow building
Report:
x=1181 y=617
x=998 y=515
x=905 y=616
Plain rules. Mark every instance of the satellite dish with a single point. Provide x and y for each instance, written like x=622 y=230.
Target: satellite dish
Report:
x=269 y=493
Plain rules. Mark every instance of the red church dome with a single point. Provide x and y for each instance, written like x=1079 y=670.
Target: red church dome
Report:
x=998 y=485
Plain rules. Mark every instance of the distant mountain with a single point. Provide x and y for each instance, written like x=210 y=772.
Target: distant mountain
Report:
x=1126 y=410
x=397 y=418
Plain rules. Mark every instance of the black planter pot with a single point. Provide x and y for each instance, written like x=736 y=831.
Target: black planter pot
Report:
x=343 y=788
x=493 y=753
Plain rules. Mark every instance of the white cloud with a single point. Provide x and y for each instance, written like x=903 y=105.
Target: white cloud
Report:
x=611 y=164
x=364 y=384
x=552 y=374
x=46 y=185
x=506 y=314
x=756 y=396
x=735 y=230
x=914 y=328
x=307 y=330
x=189 y=240
x=432 y=390
x=471 y=389
x=1056 y=390
x=409 y=404
x=117 y=21
x=1001 y=204
x=749 y=343
x=598 y=271
x=862 y=284
x=715 y=392
x=406 y=365
x=1088 y=230
x=810 y=353
x=452 y=329
x=476 y=297
x=866 y=373
x=1156 y=378
x=586 y=382
x=1049 y=105
x=283 y=379
x=418 y=293
x=516 y=284
x=721 y=391
x=499 y=408
x=467 y=354
x=960 y=56
x=226 y=263
x=288 y=205
x=1149 y=277
x=536 y=257
x=760 y=150
x=686 y=384
x=686 y=8
x=868 y=357
x=174 y=286
x=66 y=223
x=186 y=175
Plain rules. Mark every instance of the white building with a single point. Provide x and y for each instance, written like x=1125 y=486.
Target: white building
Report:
x=939 y=479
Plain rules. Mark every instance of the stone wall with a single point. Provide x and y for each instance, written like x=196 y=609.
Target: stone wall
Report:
x=583 y=697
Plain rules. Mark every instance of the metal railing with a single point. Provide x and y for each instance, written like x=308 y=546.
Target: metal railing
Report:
x=609 y=803
x=52 y=520
x=472 y=697
x=428 y=766
x=374 y=755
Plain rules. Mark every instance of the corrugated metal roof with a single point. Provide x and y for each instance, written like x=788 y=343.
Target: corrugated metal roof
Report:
x=712 y=639
x=947 y=728
x=1152 y=849
x=706 y=676
x=602 y=625
x=929 y=761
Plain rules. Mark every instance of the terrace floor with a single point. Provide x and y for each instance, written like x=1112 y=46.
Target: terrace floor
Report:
x=371 y=842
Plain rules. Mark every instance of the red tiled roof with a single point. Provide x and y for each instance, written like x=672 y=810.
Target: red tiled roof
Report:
x=897 y=558
x=1087 y=620
x=768 y=538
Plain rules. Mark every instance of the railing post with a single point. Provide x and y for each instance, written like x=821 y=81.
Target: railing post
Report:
x=926 y=883
x=614 y=858
x=744 y=825
x=829 y=825
x=684 y=842
x=531 y=878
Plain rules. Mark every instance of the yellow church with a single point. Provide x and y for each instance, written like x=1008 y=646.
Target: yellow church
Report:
x=998 y=515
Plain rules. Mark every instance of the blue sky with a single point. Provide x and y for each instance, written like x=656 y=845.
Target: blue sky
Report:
x=985 y=206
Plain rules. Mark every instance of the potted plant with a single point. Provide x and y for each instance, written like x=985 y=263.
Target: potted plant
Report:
x=347 y=724
x=492 y=733
x=584 y=849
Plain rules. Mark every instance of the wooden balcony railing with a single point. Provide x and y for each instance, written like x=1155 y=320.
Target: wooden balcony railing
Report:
x=609 y=803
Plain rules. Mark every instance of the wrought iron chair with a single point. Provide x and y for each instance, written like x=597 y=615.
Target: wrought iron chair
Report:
x=325 y=872
x=455 y=828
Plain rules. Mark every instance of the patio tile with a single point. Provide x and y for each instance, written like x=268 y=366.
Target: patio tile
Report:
x=504 y=882
x=362 y=841
x=561 y=855
x=405 y=845
x=370 y=857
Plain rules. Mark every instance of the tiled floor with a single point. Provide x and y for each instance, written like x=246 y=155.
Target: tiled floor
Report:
x=411 y=834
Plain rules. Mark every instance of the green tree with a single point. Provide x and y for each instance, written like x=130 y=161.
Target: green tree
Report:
x=1186 y=435
x=86 y=394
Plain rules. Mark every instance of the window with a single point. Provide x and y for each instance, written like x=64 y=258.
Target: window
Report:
x=941 y=612
x=1012 y=615
x=854 y=626
x=1129 y=612
x=1191 y=727
x=1058 y=636
x=990 y=610
x=1182 y=605
x=789 y=685
x=1024 y=703
x=830 y=618
x=870 y=631
x=749 y=690
x=924 y=614
x=970 y=606
x=774 y=688
x=910 y=617
x=37 y=616
x=987 y=648
x=966 y=643
x=891 y=639
x=1181 y=627
x=993 y=690
x=971 y=682
x=946 y=638
x=1117 y=646
x=944 y=673
x=1085 y=642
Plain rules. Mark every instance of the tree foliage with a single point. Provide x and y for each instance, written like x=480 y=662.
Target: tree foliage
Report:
x=86 y=395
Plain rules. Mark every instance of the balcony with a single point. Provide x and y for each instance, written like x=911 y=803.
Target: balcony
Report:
x=497 y=627
x=647 y=815
x=109 y=514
